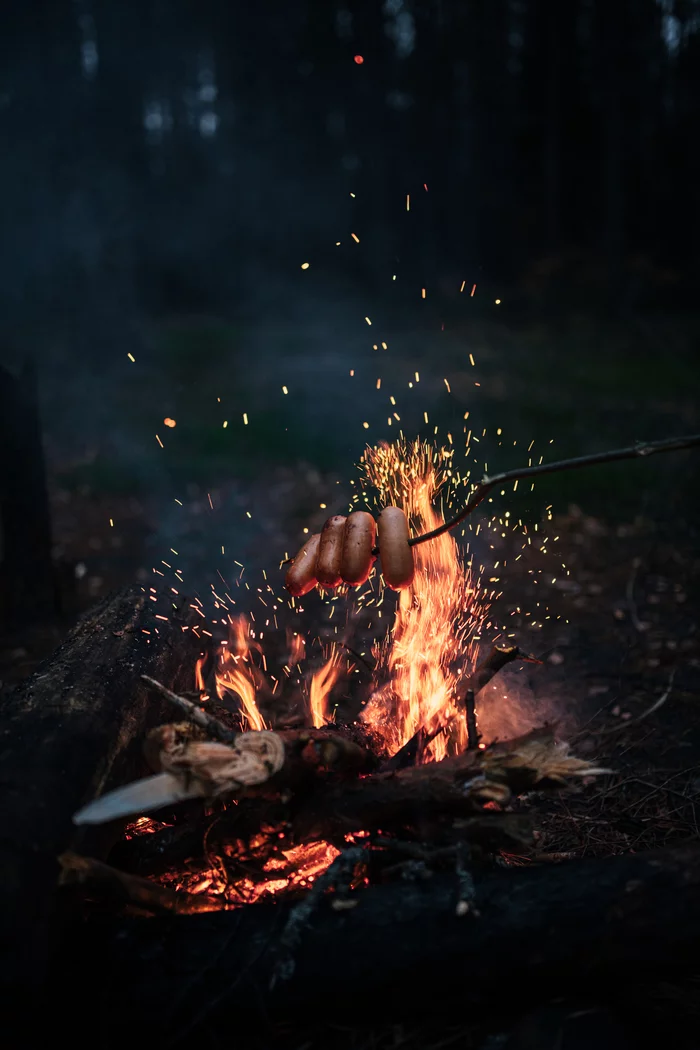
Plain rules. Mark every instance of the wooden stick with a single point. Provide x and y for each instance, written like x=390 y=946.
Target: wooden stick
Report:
x=487 y=483
x=195 y=714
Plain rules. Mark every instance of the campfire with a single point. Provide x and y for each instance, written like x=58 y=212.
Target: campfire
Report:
x=300 y=791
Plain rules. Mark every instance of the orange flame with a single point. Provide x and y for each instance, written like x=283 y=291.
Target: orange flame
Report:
x=198 y=676
x=237 y=678
x=238 y=681
x=437 y=619
x=297 y=648
x=320 y=690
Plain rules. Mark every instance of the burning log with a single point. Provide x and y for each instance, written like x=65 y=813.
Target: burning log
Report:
x=433 y=801
x=498 y=657
x=130 y=889
x=73 y=729
x=586 y=925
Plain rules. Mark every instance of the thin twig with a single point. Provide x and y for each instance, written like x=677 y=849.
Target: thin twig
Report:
x=472 y=731
x=195 y=714
x=645 y=714
x=487 y=483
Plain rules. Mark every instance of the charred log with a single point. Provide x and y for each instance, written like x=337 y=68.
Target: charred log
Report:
x=578 y=925
x=74 y=729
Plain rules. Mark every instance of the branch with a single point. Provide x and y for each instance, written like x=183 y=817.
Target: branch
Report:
x=487 y=483
x=207 y=722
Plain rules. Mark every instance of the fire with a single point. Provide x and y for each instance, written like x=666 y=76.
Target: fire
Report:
x=320 y=690
x=240 y=682
x=297 y=648
x=435 y=631
x=296 y=867
x=434 y=637
x=236 y=674
x=198 y=675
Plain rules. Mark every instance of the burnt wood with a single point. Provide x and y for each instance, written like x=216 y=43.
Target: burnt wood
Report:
x=71 y=732
x=534 y=933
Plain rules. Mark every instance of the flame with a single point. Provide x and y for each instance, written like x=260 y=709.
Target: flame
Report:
x=435 y=632
x=298 y=867
x=239 y=681
x=236 y=675
x=198 y=676
x=321 y=685
x=297 y=648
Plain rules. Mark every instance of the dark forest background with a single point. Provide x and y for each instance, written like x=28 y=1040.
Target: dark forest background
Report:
x=168 y=156
x=168 y=166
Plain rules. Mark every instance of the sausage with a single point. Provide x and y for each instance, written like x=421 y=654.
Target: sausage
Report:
x=330 y=551
x=358 y=541
x=301 y=574
x=396 y=555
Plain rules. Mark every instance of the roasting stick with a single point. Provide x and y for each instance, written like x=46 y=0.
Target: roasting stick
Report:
x=212 y=725
x=482 y=489
x=488 y=483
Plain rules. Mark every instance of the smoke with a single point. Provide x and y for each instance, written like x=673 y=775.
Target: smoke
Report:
x=516 y=702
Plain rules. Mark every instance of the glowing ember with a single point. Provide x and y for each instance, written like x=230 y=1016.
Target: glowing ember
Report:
x=430 y=648
x=433 y=640
x=294 y=868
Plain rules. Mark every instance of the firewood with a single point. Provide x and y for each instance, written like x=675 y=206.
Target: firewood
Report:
x=130 y=889
x=583 y=925
x=75 y=728
x=436 y=798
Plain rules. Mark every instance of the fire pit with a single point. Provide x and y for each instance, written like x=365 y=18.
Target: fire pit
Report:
x=376 y=828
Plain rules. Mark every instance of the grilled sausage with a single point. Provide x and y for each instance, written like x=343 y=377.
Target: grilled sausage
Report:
x=358 y=541
x=330 y=551
x=301 y=574
x=396 y=555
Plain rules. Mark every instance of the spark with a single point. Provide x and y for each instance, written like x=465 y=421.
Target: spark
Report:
x=305 y=266
x=169 y=422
